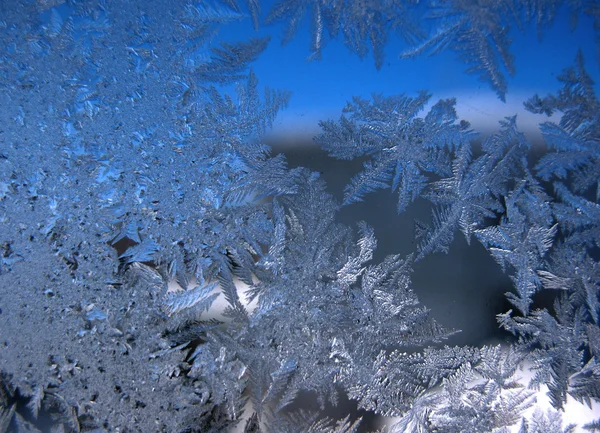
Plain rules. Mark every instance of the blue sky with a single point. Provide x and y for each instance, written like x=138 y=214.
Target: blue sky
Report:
x=321 y=88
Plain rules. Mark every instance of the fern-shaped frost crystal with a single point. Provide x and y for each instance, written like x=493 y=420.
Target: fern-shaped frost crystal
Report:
x=403 y=148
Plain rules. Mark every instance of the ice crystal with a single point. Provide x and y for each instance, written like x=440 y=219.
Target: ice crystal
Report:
x=137 y=197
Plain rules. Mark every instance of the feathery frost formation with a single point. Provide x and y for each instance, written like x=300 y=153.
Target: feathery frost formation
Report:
x=136 y=194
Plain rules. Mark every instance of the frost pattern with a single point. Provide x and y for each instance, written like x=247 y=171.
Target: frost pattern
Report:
x=544 y=235
x=479 y=32
x=135 y=192
x=363 y=24
x=402 y=147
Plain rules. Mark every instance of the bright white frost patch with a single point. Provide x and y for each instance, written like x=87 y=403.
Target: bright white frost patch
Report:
x=485 y=110
x=219 y=305
x=574 y=412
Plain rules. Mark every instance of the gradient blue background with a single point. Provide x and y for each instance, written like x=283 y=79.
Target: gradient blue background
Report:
x=321 y=88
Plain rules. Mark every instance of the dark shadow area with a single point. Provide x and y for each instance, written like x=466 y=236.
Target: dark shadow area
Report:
x=465 y=290
x=20 y=413
x=306 y=401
